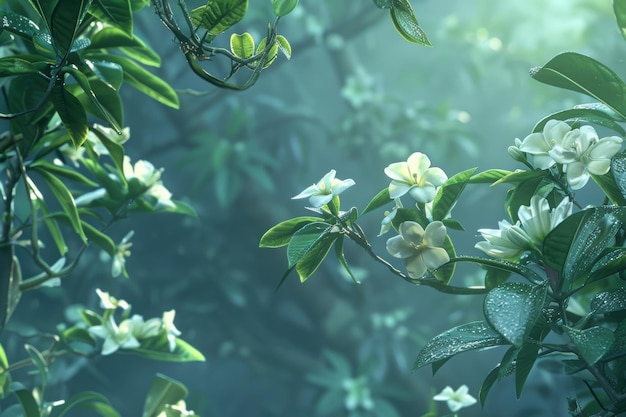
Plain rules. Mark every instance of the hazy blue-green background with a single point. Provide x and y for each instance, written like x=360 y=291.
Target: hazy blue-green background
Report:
x=354 y=97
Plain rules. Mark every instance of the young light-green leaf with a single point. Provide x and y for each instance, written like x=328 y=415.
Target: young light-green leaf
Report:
x=283 y=7
x=242 y=46
x=72 y=114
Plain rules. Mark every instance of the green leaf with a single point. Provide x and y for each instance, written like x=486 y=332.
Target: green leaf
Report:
x=28 y=403
x=53 y=228
x=491 y=379
x=66 y=19
x=609 y=301
x=5 y=376
x=304 y=239
x=281 y=234
x=219 y=15
x=414 y=215
x=379 y=200
x=384 y=4
x=40 y=363
x=619 y=7
x=406 y=24
x=157 y=348
x=117 y=13
x=144 y=81
x=313 y=258
x=271 y=54
x=449 y=193
x=341 y=257
x=592 y=344
x=284 y=46
x=72 y=114
x=572 y=247
x=102 y=240
x=594 y=113
x=524 y=362
x=613 y=183
x=18 y=25
x=85 y=401
x=131 y=45
x=242 y=46
x=513 y=308
x=521 y=194
x=64 y=172
x=585 y=75
x=453 y=224
x=489 y=176
x=116 y=151
x=502 y=265
x=65 y=199
x=523 y=176
x=10 y=66
x=163 y=391
x=10 y=278
x=99 y=92
x=470 y=336
x=612 y=261
x=283 y=7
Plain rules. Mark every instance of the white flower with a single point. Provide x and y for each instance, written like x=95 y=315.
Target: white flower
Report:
x=582 y=154
x=421 y=249
x=509 y=241
x=143 y=171
x=358 y=394
x=415 y=177
x=323 y=192
x=538 y=219
x=122 y=252
x=178 y=409
x=539 y=144
x=172 y=331
x=162 y=195
x=108 y=132
x=116 y=337
x=456 y=399
x=359 y=88
x=535 y=222
x=87 y=198
x=108 y=302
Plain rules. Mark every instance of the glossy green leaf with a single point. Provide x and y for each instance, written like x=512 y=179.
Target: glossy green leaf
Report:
x=18 y=25
x=406 y=24
x=10 y=66
x=144 y=81
x=585 y=75
x=522 y=176
x=99 y=238
x=491 y=379
x=304 y=239
x=502 y=265
x=157 y=348
x=219 y=15
x=72 y=114
x=524 y=362
x=618 y=175
x=495 y=277
x=242 y=46
x=105 y=100
x=116 y=13
x=163 y=391
x=612 y=261
x=65 y=199
x=86 y=402
x=284 y=46
x=594 y=113
x=53 y=227
x=379 y=200
x=10 y=278
x=572 y=246
x=405 y=214
x=5 y=376
x=66 y=19
x=489 y=176
x=513 y=308
x=133 y=46
x=283 y=7
x=28 y=403
x=64 y=172
x=281 y=234
x=521 y=194
x=609 y=301
x=384 y=4
x=313 y=258
x=619 y=8
x=453 y=224
x=592 y=344
x=449 y=193
x=470 y=336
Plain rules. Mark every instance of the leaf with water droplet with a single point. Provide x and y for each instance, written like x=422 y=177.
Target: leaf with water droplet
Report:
x=592 y=344
x=470 y=336
x=606 y=302
x=513 y=308
x=406 y=24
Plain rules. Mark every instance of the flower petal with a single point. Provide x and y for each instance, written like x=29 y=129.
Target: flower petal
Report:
x=411 y=232
x=435 y=176
x=399 y=171
x=307 y=192
x=535 y=143
x=423 y=194
x=399 y=248
x=418 y=163
x=433 y=258
x=605 y=148
x=340 y=186
x=577 y=175
x=397 y=189
x=435 y=234
x=318 y=201
x=415 y=266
